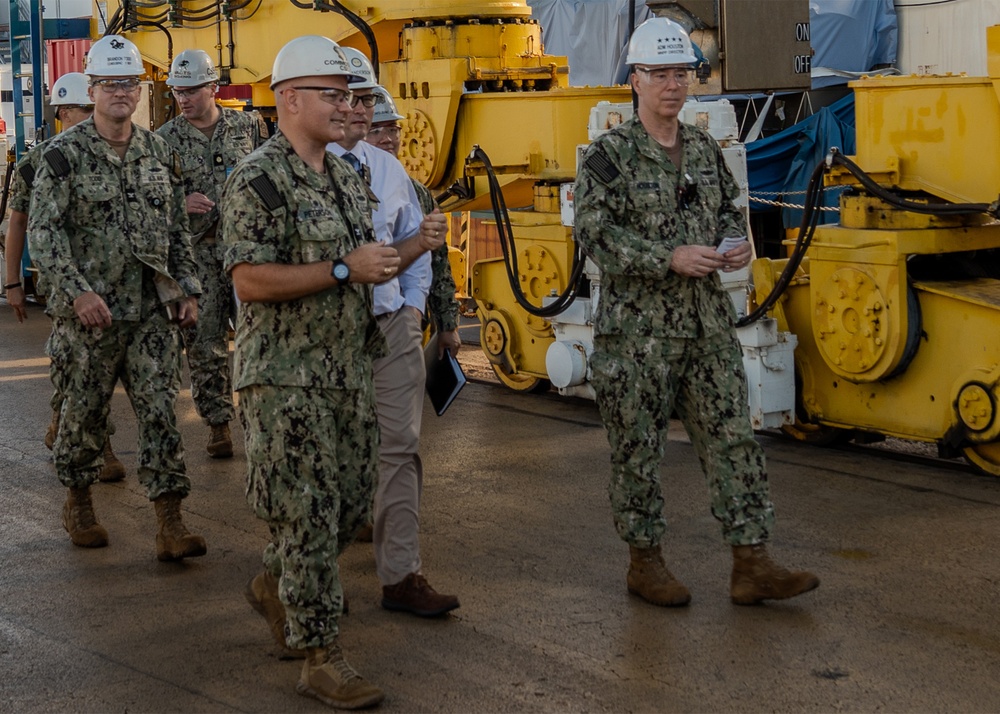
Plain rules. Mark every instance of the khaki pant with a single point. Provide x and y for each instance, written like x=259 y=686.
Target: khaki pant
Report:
x=399 y=395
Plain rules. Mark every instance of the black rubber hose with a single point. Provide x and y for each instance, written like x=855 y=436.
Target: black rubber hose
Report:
x=502 y=217
x=934 y=209
x=810 y=219
x=358 y=23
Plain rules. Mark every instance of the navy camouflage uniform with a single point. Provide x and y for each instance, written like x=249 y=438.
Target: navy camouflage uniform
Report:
x=303 y=371
x=664 y=341
x=205 y=165
x=20 y=200
x=117 y=228
x=441 y=304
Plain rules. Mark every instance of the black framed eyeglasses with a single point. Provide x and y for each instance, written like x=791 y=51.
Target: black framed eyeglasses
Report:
x=367 y=100
x=189 y=92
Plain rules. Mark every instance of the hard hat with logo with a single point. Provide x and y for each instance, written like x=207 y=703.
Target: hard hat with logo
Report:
x=385 y=108
x=113 y=56
x=192 y=68
x=311 y=56
x=361 y=66
x=659 y=41
x=71 y=89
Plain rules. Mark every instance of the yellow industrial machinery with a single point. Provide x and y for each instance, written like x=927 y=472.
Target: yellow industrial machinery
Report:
x=897 y=308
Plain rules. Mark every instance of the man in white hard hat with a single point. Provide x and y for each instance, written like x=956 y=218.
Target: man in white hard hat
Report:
x=400 y=375
x=210 y=140
x=442 y=307
x=108 y=230
x=73 y=105
x=300 y=247
x=653 y=199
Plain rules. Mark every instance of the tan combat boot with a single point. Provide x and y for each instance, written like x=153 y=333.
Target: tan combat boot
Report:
x=327 y=676
x=113 y=469
x=220 y=442
x=174 y=541
x=649 y=578
x=50 y=433
x=757 y=578
x=262 y=594
x=80 y=522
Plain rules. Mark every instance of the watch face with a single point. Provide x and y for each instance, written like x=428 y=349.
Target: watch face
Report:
x=341 y=271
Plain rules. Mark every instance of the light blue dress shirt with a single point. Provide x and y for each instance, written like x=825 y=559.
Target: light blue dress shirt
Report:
x=397 y=217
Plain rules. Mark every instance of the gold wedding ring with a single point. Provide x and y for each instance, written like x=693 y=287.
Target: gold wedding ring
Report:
x=388 y=271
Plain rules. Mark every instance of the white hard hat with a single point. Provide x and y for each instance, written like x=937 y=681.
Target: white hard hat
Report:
x=192 y=68
x=311 y=56
x=385 y=108
x=71 y=88
x=361 y=67
x=660 y=41
x=113 y=56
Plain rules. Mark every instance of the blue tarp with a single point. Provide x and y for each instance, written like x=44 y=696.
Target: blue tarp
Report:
x=783 y=163
x=851 y=36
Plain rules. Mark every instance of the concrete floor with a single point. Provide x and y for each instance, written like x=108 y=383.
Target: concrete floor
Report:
x=516 y=522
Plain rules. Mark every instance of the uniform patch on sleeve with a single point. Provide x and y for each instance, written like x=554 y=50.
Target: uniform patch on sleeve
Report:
x=601 y=166
x=57 y=162
x=264 y=187
x=27 y=172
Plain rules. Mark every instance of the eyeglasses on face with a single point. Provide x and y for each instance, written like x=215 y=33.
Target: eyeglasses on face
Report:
x=662 y=77
x=189 y=92
x=368 y=100
x=377 y=132
x=110 y=86
x=330 y=96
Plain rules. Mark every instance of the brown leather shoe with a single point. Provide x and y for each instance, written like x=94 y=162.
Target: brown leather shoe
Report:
x=262 y=594
x=173 y=540
x=649 y=578
x=220 y=442
x=365 y=533
x=113 y=469
x=413 y=594
x=80 y=522
x=328 y=677
x=757 y=578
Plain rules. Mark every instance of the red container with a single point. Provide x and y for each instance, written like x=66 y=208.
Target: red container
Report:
x=65 y=56
x=235 y=91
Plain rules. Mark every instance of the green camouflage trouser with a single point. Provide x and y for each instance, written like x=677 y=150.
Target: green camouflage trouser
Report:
x=145 y=356
x=639 y=382
x=312 y=457
x=207 y=343
x=57 y=373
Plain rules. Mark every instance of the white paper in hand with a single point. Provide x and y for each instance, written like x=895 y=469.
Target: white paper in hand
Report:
x=728 y=243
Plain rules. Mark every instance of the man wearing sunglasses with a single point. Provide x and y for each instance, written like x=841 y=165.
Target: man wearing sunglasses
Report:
x=108 y=230
x=210 y=141
x=400 y=376
x=653 y=197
